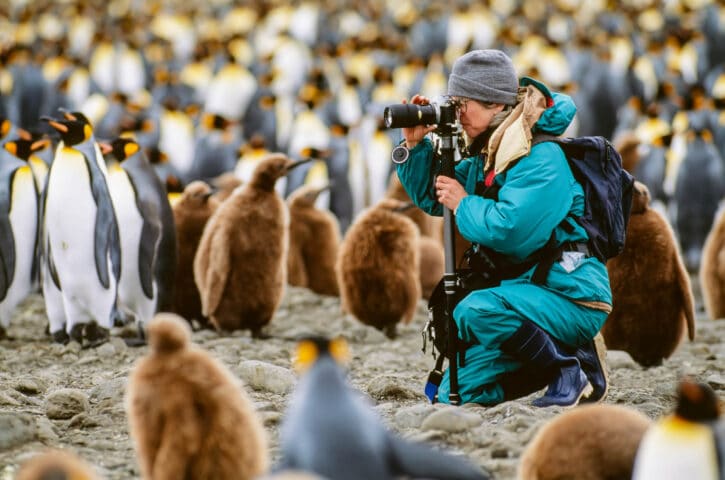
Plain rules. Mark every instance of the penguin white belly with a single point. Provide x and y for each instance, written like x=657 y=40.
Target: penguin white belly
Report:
x=130 y=223
x=24 y=221
x=70 y=222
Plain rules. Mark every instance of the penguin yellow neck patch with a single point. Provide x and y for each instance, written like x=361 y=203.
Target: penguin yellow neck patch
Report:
x=130 y=149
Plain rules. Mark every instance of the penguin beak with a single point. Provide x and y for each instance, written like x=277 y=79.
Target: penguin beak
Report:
x=106 y=148
x=40 y=144
x=24 y=134
x=67 y=114
x=55 y=124
x=293 y=165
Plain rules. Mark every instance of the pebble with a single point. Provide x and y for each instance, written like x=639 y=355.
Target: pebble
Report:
x=30 y=385
x=265 y=376
x=16 y=429
x=65 y=403
x=450 y=419
x=391 y=387
x=412 y=417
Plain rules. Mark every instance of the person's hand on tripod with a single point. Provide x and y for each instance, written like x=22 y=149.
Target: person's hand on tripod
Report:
x=449 y=192
x=413 y=135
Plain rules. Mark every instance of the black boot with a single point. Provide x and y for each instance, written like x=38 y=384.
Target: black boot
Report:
x=592 y=357
x=536 y=350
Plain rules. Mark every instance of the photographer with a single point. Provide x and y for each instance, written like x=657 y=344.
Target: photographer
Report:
x=512 y=199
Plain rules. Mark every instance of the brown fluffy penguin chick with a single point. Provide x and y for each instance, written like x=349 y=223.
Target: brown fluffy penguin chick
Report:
x=653 y=300
x=712 y=269
x=241 y=264
x=314 y=240
x=429 y=225
x=225 y=185
x=377 y=267
x=432 y=265
x=191 y=213
x=592 y=442
x=627 y=145
x=56 y=464
x=189 y=417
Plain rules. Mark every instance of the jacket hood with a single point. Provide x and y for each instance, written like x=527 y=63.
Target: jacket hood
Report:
x=560 y=112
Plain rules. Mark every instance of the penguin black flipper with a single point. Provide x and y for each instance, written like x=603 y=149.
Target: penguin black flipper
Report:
x=150 y=233
x=107 y=239
x=8 y=165
x=414 y=460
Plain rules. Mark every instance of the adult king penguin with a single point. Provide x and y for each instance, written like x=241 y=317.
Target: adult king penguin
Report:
x=18 y=231
x=330 y=431
x=80 y=240
x=146 y=229
x=240 y=266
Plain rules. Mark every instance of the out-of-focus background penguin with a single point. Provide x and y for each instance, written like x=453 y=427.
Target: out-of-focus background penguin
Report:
x=80 y=244
x=188 y=415
x=314 y=240
x=18 y=230
x=712 y=269
x=689 y=443
x=328 y=429
x=56 y=465
x=146 y=230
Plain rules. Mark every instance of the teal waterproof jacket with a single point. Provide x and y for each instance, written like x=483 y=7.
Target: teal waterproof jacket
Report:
x=538 y=194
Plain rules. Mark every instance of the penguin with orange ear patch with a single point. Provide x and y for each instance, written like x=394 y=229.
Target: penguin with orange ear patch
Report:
x=712 y=269
x=192 y=211
x=240 y=266
x=592 y=442
x=56 y=464
x=653 y=300
x=313 y=244
x=689 y=443
x=378 y=267
x=330 y=431
x=188 y=415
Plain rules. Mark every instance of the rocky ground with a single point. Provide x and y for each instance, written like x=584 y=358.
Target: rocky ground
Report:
x=62 y=396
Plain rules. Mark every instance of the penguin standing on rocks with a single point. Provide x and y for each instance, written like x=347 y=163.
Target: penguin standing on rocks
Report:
x=653 y=300
x=313 y=243
x=328 y=429
x=592 y=442
x=80 y=240
x=56 y=464
x=147 y=232
x=240 y=267
x=712 y=269
x=378 y=267
x=689 y=443
x=188 y=415
x=191 y=213
x=18 y=232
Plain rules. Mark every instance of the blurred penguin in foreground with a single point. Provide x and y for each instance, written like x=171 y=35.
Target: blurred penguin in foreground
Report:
x=56 y=465
x=330 y=431
x=188 y=415
x=689 y=443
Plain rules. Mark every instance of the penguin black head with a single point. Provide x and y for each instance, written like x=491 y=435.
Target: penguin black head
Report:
x=72 y=132
x=311 y=348
x=23 y=148
x=123 y=148
x=696 y=402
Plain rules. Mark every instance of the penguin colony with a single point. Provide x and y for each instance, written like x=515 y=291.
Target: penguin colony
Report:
x=273 y=80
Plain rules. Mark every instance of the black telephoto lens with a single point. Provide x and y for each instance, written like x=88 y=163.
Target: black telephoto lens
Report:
x=409 y=115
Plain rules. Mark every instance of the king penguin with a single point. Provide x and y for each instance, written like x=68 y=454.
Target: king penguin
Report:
x=58 y=465
x=188 y=415
x=27 y=149
x=18 y=232
x=313 y=243
x=689 y=443
x=147 y=231
x=240 y=267
x=329 y=430
x=712 y=268
x=80 y=240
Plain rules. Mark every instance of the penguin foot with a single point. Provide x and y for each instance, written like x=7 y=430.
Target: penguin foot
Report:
x=138 y=341
x=3 y=334
x=95 y=335
x=60 y=337
x=76 y=332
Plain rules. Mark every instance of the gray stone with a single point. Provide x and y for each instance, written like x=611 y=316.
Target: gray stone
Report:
x=716 y=381
x=16 y=429
x=412 y=417
x=30 y=385
x=617 y=359
x=6 y=399
x=451 y=419
x=111 y=389
x=265 y=376
x=65 y=403
x=45 y=431
x=390 y=387
x=106 y=350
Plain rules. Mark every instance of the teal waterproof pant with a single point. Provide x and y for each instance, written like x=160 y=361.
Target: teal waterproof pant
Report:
x=489 y=317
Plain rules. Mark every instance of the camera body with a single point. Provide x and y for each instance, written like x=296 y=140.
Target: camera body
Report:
x=443 y=112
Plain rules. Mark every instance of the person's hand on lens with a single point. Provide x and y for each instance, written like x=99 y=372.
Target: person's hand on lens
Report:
x=413 y=135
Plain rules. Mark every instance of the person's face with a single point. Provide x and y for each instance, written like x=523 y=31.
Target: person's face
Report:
x=476 y=116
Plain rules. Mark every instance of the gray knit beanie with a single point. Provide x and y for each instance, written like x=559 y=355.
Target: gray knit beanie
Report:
x=485 y=75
